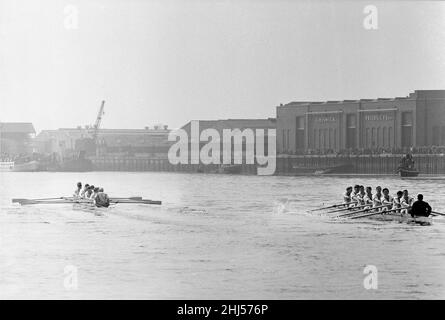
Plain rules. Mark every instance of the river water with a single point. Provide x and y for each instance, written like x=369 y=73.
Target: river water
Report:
x=214 y=237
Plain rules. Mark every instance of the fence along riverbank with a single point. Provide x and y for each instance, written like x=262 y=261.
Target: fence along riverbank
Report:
x=358 y=164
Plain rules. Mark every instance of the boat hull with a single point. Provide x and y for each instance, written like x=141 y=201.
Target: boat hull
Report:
x=89 y=206
x=26 y=167
x=403 y=218
x=6 y=165
x=408 y=172
x=342 y=168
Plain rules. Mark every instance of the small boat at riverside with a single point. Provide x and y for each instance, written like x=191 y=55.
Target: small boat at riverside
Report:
x=230 y=168
x=6 y=165
x=85 y=204
x=405 y=172
x=29 y=166
x=341 y=168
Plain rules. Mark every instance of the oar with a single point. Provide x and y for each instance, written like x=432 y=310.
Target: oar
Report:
x=359 y=211
x=140 y=202
x=333 y=206
x=42 y=199
x=374 y=213
x=438 y=213
x=349 y=208
x=130 y=198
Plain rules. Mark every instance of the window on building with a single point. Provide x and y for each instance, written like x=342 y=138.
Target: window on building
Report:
x=379 y=143
x=384 y=138
x=330 y=138
x=351 y=131
x=407 y=129
x=288 y=143
x=436 y=135
x=315 y=141
x=299 y=134
x=284 y=140
x=335 y=138
x=373 y=144
x=390 y=144
x=443 y=136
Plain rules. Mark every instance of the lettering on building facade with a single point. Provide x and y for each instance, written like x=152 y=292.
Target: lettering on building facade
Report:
x=379 y=117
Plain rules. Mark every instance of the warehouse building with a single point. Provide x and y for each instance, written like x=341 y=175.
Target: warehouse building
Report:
x=16 y=139
x=401 y=123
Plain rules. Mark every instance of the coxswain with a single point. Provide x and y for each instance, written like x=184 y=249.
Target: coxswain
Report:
x=377 y=198
x=347 y=197
x=77 y=192
x=387 y=200
x=420 y=208
x=407 y=202
x=367 y=199
x=397 y=202
x=85 y=189
x=101 y=199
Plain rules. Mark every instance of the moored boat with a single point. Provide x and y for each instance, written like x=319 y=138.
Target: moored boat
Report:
x=404 y=172
x=6 y=165
x=30 y=166
x=341 y=168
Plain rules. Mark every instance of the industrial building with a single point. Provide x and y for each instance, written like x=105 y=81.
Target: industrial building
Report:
x=148 y=142
x=16 y=139
x=232 y=124
x=401 y=123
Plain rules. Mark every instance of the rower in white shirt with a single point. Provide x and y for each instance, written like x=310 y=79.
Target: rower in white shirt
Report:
x=347 y=197
x=407 y=202
x=397 y=202
x=387 y=200
x=361 y=196
x=367 y=199
x=84 y=190
x=77 y=192
x=355 y=195
x=377 y=198
x=94 y=194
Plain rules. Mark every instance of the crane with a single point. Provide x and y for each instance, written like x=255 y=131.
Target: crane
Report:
x=95 y=130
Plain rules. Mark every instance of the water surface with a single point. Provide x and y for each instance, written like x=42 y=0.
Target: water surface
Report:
x=214 y=237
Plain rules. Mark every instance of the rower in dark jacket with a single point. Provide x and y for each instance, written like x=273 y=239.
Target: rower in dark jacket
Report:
x=420 y=208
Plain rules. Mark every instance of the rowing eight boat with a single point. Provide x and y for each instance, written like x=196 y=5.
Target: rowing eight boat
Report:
x=85 y=203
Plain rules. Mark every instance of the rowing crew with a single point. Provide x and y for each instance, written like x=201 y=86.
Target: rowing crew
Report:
x=95 y=194
x=402 y=202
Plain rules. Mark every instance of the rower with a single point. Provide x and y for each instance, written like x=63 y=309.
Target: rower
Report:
x=347 y=198
x=361 y=195
x=367 y=199
x=420 y=208
x=85 y=189
x=101 y=199
x=89 y=192
x=407 y=202
x=76 y=193
x=377 y=198
x=397 y=202
x=94 y=194
x=355 y=193
x=387 y=200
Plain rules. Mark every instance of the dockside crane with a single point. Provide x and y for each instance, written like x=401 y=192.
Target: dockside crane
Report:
x=95 y=129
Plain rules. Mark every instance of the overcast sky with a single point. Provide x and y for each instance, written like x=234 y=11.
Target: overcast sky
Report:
x=172 y=61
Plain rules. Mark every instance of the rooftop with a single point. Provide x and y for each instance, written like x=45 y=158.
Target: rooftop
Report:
x=17 y=127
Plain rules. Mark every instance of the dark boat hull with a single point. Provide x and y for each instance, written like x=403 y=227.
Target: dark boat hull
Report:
x=342 y=168
x=408 y=172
